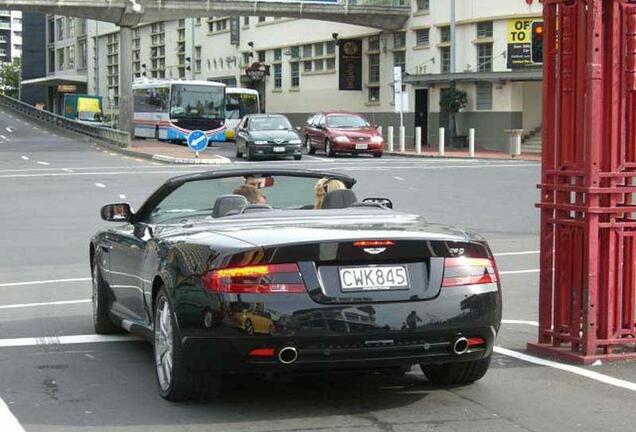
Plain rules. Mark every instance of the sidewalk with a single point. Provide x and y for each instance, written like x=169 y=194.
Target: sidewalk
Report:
x=455 y=153
x=171 y=153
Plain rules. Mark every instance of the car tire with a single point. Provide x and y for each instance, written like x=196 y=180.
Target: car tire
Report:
x=239 y=154
x=298 y=157
x=248 y=153
x=176 y=382
x=249 y=327
x=308 y=146
x=328 y=149
x=456 y=373
x=101 y=304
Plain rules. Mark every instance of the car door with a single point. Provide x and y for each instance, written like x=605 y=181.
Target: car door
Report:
x=128 y=246
x=306 y=129
x=240 y=135
x=319 y=136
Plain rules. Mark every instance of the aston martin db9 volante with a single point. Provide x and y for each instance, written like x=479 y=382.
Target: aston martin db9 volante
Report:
x=238 y=271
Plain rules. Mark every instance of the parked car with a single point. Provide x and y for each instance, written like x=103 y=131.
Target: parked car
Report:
x=223 y=287
x=342 y=132
x=267 y=135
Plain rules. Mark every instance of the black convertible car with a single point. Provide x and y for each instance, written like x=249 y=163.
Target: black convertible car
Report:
x=223 y=285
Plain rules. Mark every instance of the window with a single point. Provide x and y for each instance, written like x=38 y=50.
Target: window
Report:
x=484 y=30
x=278 y=54
x=51 y=25
x=423 y=5
x=70 y=57
x=399 y=40
x=246 y=21
x=261 y=56
x=3 y=39
x=70 y=27
x=374 y=94
x=330 y=48
x=484 y=57
x=51 y=60
x=221 y=25
x=197 y=59
x=197 y=21
x=59 y=26
x=374 y=43
x=60 y=59
x=444 y=53
x=444 y=34
x=82 y=55
x=295 y=52
x=483 y=96
x=81 y=26
x=295 y=74
x=374 y=68
x=318 y=50
x=261 y=19
x=422 y=37
x=17 y=21
x=278 y=76
x=307 y=52
x=319 y=57
x=399 y=59
x=181 y=23
x=246 y=58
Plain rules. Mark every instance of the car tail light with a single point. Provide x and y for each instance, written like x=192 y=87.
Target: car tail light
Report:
x=262 y=352
x=469 y=271
x=258 y=279
x=476 y=341
x=373 y=243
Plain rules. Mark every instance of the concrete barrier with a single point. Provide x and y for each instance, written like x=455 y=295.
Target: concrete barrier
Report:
x=441 y=144
x=418 y=140
x=471 y=142
x=111 y=136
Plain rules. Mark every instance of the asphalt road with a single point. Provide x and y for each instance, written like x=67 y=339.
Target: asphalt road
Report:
x=51 y=188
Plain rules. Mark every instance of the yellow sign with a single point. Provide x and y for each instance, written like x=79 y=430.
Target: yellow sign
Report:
x=88 y=105
x=520 y=30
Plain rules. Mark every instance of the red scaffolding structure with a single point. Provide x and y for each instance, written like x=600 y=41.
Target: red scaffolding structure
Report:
x=587 y=304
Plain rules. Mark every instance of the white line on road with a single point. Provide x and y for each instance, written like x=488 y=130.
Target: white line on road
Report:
x=399 y=178
x=64 y=174
x=3 y=137
x=100 y=185
x=43 y=163
x=9 y=129
x=523 y=322
x=7 y=420
x=68 y=170
x=24 y=158
x=511 y=272
x=55 y=303
x=65 y=340
x=122 y=196
x=517 y=253
x=43 y=282
x=606 y=379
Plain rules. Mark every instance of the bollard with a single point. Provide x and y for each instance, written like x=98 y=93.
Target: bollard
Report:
x=402 y=139
x=441 y=142
x=515 y=141
x=418 y=140
x=389 y=132
x=471 y=142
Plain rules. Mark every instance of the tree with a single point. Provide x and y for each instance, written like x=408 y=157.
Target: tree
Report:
x=452 y=101
x=10 y=78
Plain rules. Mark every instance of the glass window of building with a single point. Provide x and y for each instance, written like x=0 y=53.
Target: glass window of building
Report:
x=59 y=25
x=444 y=34
x=60 y=59
x=399 y=40
x=261 y=56
x=51 y=60
x=278 y=75
x=82 y=55
x=278 y=54
x=444 y=53
x=319 y=65
x=484 y=29
x=318 y=50
x=51 y=28
x=307 y=52
x=330 y=47
x=422 y=37
x=246 y=21
x=399 y=59
x=295 y=74
x=423 y=5
x=374 y=68
x=483 y=96
x=70 y=57
x=330 y=64
x=197 y=59
x=70 y=27
x=374 y=43
x=261 y=19
x=374 y=94
x=307 y=66
x=295 y=52
x=484 y=57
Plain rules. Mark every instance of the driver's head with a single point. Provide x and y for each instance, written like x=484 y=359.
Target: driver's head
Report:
x=253 y=181
x=251 y=193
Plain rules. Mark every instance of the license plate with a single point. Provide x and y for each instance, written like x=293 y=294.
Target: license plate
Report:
x=280 y=149
x=361 y=146
x=373 y=278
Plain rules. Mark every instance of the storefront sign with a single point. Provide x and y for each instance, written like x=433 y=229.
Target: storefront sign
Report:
x=520 y=40
x=235 y=30
x=350 y=64
x=66 y=88
x=256 y=71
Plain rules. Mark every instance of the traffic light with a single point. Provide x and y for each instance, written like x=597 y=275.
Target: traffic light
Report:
x=537 y=42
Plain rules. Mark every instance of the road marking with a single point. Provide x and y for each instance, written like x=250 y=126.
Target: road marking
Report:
x=511 y=272
x=68 y=170
x=132 y=167
x=100 y=185
x=43 y=163
x=7 y=420
x=43 y=282
x=523 y=322
x=3 y=137
x=114 y=154
x=399 y=178
x=65 y=340
x=24 y=158
x=9 y=129
x=517 y=253
x=606 y=379
x=55 y=303
x=64 y=174
x=122 y=196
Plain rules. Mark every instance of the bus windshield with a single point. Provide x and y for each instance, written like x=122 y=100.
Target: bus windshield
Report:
x=197 y=101
x=239 y=105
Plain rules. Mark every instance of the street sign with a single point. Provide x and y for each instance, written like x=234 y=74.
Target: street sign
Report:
x=197 y=141
x=397 y=88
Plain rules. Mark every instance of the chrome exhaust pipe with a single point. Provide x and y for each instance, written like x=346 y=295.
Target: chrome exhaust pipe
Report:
x=460 y=345
x=288 y=355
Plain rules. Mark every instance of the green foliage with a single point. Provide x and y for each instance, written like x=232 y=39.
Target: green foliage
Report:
x=453 y=100
x=10 y=78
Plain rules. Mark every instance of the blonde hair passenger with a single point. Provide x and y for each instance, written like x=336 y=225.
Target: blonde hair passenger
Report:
x=323 y=187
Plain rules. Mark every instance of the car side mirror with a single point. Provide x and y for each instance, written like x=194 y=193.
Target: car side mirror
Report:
x=120 y=212
x=384 y=202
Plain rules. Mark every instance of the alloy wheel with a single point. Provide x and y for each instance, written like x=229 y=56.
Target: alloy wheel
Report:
x=163 y=343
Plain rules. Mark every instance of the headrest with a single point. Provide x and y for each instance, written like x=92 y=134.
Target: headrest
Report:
x=339 y=199
x=227 y=203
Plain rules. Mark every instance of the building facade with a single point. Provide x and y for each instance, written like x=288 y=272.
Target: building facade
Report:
x=10 y=35
x=303 y=68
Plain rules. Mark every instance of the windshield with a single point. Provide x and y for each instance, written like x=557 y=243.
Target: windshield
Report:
x=346 y=121
x=197 y=101
x=196 y=199
x=239 y=105
x=89 y=116
x=269 y=123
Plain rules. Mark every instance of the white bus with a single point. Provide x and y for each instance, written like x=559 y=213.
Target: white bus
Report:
x=238 y=103
x=170 y=110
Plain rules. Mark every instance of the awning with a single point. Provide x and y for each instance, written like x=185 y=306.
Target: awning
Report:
x=522 y=75
x=55 y=80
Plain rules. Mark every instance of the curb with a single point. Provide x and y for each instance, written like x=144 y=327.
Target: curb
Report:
x=218 y=160
x=426 y=156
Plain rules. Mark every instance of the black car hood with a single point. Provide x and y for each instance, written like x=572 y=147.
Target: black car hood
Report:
x=305 y=226
x=273 y=135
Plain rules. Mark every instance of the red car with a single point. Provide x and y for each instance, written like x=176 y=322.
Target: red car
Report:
x=342 y=132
